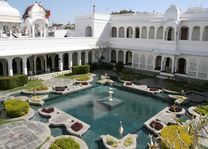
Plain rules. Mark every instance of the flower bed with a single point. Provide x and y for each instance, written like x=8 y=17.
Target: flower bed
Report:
x=77 y=126
x=175 y=108
x=156 y=125
x=84 y=83
x=65 y=143
x=48 y=110
x=39 y=88
x=111 y=141
x=128 y=141
x=16 y=108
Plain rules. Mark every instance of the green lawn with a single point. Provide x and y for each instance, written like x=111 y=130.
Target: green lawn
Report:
x=82 y=77
x=31 y=84
x=2 y=121
x=178 y=86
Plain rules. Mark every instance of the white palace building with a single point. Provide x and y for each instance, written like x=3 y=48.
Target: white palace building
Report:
x=174 y=43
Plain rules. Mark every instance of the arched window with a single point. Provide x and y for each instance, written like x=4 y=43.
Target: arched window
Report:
x=129 y=32
x=121 y=32
x=114 y=32
x=196 y=33
x=205 y=34
x=182 y=65
x=170 y=34
x=137 y=32
x=144 y=32
x=184 y=33
x=151 y=32
x=160 y=33
x=158 y=61
x=88 y=31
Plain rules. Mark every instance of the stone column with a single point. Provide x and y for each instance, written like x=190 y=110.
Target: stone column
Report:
x=173 y=65
x=0 y=32
x=24 y=65
x=190 y=33
x=140 y=32
x=124 y=58
x=164 y=32
x=79 y=58
x=147 y=32
x=93 y=57
x=86 y=57
x=41 y=32
x=33 y=31
x=201 y=33
x=60 y=61
x=70 y=60
x=133 y=30
x=10 y=68
x=109 y=56
x=161 y=68
x=155 y=35
x=45 y=32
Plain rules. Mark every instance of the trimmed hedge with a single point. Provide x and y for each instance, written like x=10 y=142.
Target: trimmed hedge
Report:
x=83 y=69
x=65 y=143
x=16 y=108
x=12 y=82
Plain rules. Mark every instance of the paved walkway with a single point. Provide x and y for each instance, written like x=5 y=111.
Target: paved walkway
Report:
x=23 y=135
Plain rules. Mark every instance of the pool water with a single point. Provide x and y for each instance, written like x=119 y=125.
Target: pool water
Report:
x=135 y=110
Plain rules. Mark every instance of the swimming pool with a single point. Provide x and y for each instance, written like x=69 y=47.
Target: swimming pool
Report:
x=135 y=110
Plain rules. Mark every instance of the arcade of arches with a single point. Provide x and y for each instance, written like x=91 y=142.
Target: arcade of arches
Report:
x=196 y=33
x=159 y=63
x=38 y=64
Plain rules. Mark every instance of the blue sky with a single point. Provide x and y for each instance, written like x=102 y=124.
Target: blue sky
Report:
x=63 y=11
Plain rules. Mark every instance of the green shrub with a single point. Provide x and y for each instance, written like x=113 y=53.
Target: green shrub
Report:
x=170 y=133
x=127 y=77
x=16 y=108
x=12 y=82
x=119 y=66
x=65 y=143
x=83 y=69
x=203 y=110
x=94 y=66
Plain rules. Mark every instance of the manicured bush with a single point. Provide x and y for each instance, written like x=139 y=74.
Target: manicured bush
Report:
x=119 y=66
x=170 y=133
x=65 y=143
x=83 y=69
x=175 y=108
x=12 y=82
x=16 y=108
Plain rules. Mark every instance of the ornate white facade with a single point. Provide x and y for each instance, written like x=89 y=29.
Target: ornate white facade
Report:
x=174 y=43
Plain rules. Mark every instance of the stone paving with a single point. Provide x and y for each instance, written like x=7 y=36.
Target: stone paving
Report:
x=58 y=82
x=23 y=135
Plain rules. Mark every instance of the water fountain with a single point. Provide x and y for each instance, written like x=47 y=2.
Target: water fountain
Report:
x=111 y=103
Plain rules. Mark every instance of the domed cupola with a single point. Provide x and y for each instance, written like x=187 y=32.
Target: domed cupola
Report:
x=36 y=11
x=36 y=18
x=8 y=13
x=172 y=13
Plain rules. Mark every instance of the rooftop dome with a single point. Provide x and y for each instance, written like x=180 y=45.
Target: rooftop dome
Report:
x=8 y=13
x=36 y=10
x=172 y=13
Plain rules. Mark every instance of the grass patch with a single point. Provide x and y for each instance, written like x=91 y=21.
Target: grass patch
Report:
x=3 y=121
x=170 y=132
x=178 y=86
x=82 y=77
x=30 y=85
